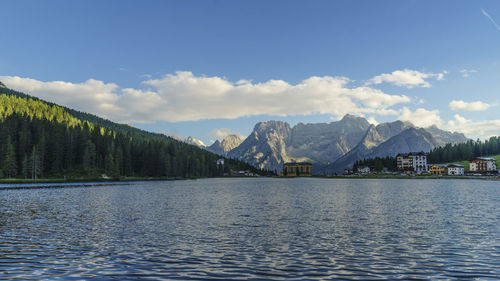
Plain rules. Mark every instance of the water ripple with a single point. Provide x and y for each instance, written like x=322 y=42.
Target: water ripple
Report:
x=253 y=229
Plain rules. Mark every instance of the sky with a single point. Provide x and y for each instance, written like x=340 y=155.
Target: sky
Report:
x=210 y=68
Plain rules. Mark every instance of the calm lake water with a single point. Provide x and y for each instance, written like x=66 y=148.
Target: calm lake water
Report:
x=253 y=229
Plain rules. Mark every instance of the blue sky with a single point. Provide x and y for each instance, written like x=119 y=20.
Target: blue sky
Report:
x=205 y=68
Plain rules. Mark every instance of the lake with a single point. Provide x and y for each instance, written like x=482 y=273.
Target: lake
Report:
x=253 y=229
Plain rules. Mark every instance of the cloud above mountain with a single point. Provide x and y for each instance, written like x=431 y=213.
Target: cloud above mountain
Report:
x=184 y=96
x=483 y=129
x=407 y=78
x=221 y=133
x=469 y=106
x=421 y=117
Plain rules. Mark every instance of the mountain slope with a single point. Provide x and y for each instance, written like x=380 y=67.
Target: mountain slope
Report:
x=409 y=140
x=375 y=135
x=265 y=147
x=326 y=142
x=445 y=137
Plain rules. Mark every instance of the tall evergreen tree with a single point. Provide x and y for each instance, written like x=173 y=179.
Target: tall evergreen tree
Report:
x=10 y=162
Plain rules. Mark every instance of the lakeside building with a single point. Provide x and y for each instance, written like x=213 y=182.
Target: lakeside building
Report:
x=437 y=169
x=364 y=170
x=412 y=162
x=456 y=170
x=483 y=165
x=297 y=169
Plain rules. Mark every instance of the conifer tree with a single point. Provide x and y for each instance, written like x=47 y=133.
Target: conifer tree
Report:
x=10 y=162
x=36 y=167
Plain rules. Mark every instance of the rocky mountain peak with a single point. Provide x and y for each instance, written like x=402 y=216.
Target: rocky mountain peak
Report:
x=272 y=126
x=227 y=144
x=193 y=141
x=265 y=146
x=348 y=117
x=443 y=137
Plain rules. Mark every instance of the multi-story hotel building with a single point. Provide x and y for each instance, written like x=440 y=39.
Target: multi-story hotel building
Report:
x=412 y=162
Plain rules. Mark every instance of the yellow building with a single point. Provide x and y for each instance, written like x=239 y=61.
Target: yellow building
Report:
x=297 y=169
x=437 y=169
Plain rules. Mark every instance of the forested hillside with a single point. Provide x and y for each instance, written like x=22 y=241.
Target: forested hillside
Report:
x=464 y=151
x=39 y=139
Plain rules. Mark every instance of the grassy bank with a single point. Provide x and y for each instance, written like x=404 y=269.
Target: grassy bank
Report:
x=466 y=163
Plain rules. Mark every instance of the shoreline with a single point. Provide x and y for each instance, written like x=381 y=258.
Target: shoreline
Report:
x=493 y=178
x=55 y=183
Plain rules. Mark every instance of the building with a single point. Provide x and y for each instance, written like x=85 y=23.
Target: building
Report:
x=297 y=169
x=437 y=169
x=220 y=161
x=456 y=170
x=483 y=165
x=412 y=162
x=363 y=169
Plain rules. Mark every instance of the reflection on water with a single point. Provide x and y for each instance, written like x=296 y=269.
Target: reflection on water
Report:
x=253 y=229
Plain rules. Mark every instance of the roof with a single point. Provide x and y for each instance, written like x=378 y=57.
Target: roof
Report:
x=484 y=158
x=438 y=165
x=298 y=163
x=456 y=165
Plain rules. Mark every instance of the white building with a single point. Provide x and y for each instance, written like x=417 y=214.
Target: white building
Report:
x=483 y=165
x=220 y=161
x=456 y=170
x=363 y=169
x=412 y=162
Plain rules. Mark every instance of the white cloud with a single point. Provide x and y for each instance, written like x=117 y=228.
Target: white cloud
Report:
x=421 y=117
x=224 y=132
x=469 y=106
x=466 y=72
x=407 y=78
x=185 y=97
x=475 y=129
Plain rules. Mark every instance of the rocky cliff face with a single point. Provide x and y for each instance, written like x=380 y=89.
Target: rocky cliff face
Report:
x=326 y=142
x=410 y=140
x=265 y=147
x=227 y=144
x=445 y=137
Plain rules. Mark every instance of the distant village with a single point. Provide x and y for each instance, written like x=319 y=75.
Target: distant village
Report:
x=415 y=163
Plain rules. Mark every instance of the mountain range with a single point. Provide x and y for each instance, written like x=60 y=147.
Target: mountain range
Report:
x=331 y=147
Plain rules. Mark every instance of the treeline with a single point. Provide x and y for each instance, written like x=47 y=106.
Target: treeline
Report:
x=39 y=139
x=446 y=154
x=464 y=151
